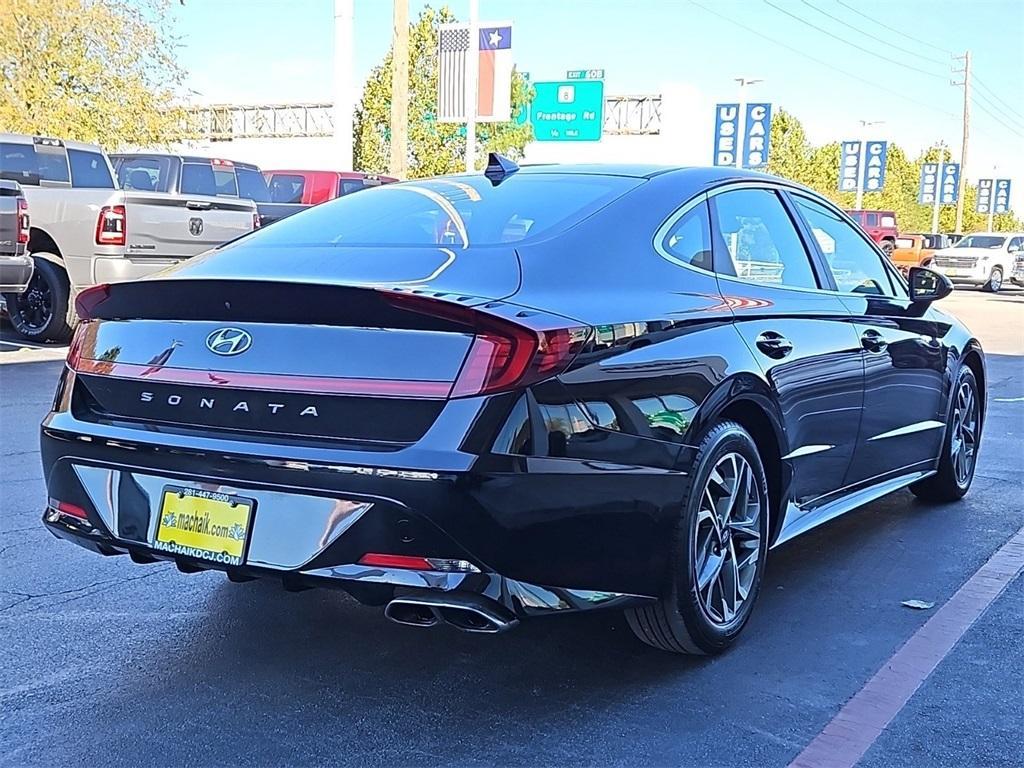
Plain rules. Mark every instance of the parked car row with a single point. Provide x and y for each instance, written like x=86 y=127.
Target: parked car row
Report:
x=98 y=219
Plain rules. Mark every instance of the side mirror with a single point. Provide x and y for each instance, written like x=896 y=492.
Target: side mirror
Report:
x=927 y=285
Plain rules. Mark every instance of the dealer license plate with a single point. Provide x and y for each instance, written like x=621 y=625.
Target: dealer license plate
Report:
x=204 y=524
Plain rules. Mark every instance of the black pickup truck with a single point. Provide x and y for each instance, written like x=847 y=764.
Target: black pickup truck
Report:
x=15 y=264
x=192 y=175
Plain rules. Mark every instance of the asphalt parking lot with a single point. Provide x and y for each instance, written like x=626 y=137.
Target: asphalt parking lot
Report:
x=106 y=662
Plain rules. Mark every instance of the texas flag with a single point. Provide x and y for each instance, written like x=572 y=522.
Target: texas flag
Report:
x=494 y=92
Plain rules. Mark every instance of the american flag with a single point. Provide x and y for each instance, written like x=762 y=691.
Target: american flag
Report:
x=451 y=98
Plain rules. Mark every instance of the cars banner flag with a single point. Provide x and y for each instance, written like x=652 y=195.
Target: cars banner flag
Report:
x=849 y=166
x=929 y=186
x=983 y=202
x=1001 y=196
x=874 y=165
x=757 y=136
x=493 y=50
x=949 y=190
x=727 y=127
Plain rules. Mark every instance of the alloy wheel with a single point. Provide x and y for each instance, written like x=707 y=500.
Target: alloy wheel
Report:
x=727 y=542
x=964 y=442
x=35 y=305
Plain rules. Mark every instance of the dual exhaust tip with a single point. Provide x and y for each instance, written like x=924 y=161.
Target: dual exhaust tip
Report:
x=467 y=612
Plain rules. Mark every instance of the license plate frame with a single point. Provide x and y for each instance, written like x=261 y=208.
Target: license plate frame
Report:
x=205 y=525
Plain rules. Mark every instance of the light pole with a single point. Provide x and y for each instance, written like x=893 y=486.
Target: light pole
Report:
x=864 y=125
x=741 y=118
x=992 y=198
x=343 y=89
x=938 y=186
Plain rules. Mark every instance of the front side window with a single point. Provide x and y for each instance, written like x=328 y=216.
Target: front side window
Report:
x=89 y=169
x=688 y=241
x=855 y=265
x=759 y=241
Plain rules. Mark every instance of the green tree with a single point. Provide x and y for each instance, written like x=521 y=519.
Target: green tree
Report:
x=92 y=70
x=434 y=148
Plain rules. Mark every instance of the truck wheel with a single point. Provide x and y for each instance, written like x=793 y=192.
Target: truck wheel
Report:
x=888 y=246
x=995 y=281
x=44 y=312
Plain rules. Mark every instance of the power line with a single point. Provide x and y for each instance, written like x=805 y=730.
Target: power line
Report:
x=995 y=97
x=994 y=116
x=875 y=85
x=852 y=45
x=900 y=32
x=855 y=28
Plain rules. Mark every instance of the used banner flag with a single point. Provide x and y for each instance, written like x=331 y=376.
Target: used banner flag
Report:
x=494 y=72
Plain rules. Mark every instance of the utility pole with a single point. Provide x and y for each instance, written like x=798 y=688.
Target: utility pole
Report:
x=343 y=91
x=966 y=72
x=400 y=89
x=741 y=118
x=472 y=83
x=938 y=186
x=861 y=166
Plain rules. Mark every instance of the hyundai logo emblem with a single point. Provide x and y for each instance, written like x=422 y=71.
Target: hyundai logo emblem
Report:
x=228 y=341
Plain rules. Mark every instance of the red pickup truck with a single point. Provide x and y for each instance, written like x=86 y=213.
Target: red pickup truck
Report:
x=880 y=226
x=315 y=187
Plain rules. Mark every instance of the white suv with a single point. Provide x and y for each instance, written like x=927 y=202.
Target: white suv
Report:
x=983 y=258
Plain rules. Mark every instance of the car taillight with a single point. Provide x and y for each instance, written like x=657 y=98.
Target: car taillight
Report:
x=23 y=221
x=255 y=221
x=504 y=354
x=111 y=225
x=87 y=301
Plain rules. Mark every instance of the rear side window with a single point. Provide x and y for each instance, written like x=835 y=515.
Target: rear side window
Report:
x=197 y=179
x=252 y=185
x=856 y=266
x=456 y=212
x=871 y=219
x=18 y=163
x=758 y=239
x=688 y=240
x=148 y=174
x=286 y=188
x=89 y=169
x=888 y=221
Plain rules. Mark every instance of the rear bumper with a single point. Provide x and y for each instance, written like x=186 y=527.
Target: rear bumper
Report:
x=15 y=273
x=546 y=535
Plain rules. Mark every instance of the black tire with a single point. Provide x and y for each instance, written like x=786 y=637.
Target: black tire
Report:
x=680 y=622
x=995 y=281
x=948 y=484
x=44 y=312
x=888 y=246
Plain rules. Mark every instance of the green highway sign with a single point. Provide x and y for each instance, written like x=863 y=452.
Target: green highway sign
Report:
x=585 y=74
x=568 y=110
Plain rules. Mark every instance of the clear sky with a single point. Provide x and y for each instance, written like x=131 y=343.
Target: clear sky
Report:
x=253 y=51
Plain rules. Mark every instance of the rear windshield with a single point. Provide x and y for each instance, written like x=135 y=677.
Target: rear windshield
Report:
x=197 y=179
x=981 y=241
x=348 y=186
x=459 y=211
x=252 y=185
x=148 y=174
x=286 y=188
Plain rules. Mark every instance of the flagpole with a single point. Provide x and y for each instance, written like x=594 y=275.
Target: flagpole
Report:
x=472 y=84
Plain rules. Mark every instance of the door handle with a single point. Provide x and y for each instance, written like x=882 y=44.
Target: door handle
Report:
x=198 y=205
x=773 y=344
x=873 y=341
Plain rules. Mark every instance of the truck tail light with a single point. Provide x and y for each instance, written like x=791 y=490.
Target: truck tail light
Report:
x=111 y=225
x=23 y=221
x=256 y=221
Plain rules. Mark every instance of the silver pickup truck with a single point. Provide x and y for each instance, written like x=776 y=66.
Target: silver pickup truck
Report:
x=15 y=265
x=85 y=230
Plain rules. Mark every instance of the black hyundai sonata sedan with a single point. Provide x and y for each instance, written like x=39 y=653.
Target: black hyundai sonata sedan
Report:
x=482 y=398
